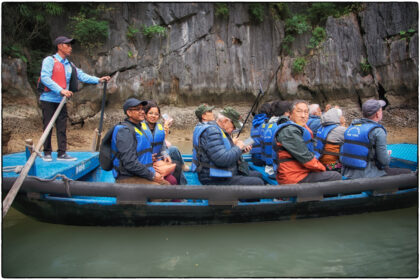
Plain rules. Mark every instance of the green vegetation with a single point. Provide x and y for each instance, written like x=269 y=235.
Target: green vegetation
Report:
x=222 y=10
x=318 y=36
x=319 y=12
x=279 y=11
x=130 y=54
x=25 y=32
x=88 y=31
x=298 y=65
x=297 y=25
x=15 y=51
x=365 y=66
x=154 y=30
x=313 y=19
x=287 y=43
x=407 y=34
x=131 y=32
x=256 y=11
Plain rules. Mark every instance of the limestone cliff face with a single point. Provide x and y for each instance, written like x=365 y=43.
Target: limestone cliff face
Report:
x=205 y=58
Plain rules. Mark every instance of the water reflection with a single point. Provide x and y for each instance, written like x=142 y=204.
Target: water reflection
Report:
x=382 y=244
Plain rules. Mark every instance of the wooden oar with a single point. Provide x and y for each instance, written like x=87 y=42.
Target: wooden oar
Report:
x=7 y=202
x=97 y=139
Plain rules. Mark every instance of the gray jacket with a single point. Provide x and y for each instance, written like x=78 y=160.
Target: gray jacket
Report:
x=379 y=156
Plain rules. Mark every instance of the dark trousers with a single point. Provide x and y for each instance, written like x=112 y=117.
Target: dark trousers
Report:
x=48 y=110
x=396 y=171
x=254 y=178
x=321 y=177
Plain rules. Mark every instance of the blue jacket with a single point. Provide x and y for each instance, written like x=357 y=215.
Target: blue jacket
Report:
x=375 y=150
x=314 y=123
x=214 y=151
x=46 y=74
x=256 y=134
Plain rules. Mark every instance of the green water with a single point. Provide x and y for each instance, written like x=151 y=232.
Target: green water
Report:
x=382 y=244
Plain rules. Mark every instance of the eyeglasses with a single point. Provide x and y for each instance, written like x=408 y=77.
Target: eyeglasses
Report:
x=136 y=109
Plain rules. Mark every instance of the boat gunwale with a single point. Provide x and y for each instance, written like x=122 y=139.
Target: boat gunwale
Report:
x=216 y=195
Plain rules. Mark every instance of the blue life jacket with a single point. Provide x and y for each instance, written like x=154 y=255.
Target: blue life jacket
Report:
x=314 y=123
x=263 y=128
x=196 y=165
x=256 y=134
x=307 y=138
x=268 y=137
x=356 y=150
x=321 y=137
x=143 y=150
x=157 y=137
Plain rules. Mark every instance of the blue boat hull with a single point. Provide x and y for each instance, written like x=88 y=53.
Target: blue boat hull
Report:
x=88 y=195
x=105 y=204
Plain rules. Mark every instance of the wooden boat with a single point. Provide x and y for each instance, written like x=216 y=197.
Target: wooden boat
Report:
x=81 y=193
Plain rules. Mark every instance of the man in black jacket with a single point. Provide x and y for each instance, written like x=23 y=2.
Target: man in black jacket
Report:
x=134 y=161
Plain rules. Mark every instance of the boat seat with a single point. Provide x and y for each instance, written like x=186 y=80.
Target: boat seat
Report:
x=192 y=178
x=261 y=169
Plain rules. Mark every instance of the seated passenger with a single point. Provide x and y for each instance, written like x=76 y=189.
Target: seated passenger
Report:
x=217 y=158
x=314 y=121
x=330 y=137
x=204 y=113
x=133 y=161
x=364 y=152
x=279 y=109
x=156 y=134
x=257 y=134
x=293 y=143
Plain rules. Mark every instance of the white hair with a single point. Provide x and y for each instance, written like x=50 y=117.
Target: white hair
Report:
x=313 y=108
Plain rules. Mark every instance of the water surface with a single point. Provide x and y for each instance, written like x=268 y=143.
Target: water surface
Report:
x=381 y=244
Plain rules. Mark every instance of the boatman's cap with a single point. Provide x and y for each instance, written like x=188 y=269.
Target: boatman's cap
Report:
x=132 y=102
x=203 y=108
x=371 y=106
x=234 y=116
x=63 y=40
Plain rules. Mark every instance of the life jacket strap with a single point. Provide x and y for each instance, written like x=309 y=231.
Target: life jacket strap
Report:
x=368 y=145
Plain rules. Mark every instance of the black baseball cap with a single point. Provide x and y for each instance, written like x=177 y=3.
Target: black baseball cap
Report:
x=63 y=40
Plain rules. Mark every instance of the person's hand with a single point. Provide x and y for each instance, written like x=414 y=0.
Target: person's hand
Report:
x=247 y=149
x=343 y=121
x=154 y=157
x=66 y=93
x=168 y=123
x=240 y=144
x=159 y=179
x=104 y=78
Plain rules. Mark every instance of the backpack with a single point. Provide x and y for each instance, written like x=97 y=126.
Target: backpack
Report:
x=106 y=155
x=73 y=84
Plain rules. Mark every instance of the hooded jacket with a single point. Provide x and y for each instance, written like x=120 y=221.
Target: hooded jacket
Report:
x=335 y=137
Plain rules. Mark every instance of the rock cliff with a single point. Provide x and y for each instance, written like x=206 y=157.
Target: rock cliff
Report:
x=222 y=60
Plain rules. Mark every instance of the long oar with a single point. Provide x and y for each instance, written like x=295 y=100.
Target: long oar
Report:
x=101 y=120
x=254 y=106
x=7 y=202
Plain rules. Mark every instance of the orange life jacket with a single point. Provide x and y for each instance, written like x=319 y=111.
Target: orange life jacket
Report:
x=290 y=171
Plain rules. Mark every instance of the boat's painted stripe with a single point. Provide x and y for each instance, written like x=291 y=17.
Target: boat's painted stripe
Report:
x=81 y=200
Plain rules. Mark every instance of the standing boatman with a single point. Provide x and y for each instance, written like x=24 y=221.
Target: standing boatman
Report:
x=59 y=78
